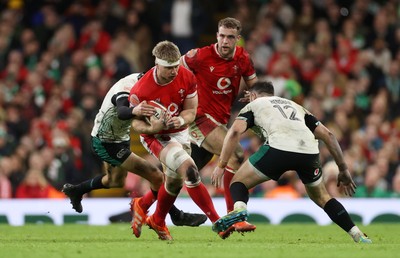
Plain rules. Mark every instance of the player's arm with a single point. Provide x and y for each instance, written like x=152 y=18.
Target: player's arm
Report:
x=324 y=134
x=141 y=126
x=248 y=83
x=231 y=140
x=186 y=116
x=126 y=112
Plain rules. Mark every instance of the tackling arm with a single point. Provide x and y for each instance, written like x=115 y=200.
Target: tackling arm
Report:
x=230 y=142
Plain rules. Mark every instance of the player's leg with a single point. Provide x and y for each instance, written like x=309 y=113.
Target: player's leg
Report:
x=166 y=197
x=171 y=157
x=335 y=210
x=245 y=178
x=185 y=166
x=213 y=143
x=200 y=156
x=113 y=155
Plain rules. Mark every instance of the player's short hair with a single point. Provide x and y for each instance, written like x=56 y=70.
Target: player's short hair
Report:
x=263 y=87
x=230 y=23
x=166 y=50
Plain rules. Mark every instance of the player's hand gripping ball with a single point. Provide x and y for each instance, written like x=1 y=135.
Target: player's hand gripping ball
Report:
x=161 y=112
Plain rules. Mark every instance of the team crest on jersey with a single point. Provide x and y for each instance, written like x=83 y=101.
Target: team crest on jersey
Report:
x=211 y=68
x=181 y=92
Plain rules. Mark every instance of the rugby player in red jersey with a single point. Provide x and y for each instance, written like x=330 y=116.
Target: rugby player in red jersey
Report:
x=219 y=69
x=174 y=87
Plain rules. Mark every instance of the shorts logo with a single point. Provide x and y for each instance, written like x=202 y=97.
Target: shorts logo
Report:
x=316 y=172
x=121 y=153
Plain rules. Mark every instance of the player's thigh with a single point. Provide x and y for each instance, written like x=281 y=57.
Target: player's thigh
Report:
x=112 y=153
x=215 y=140
x=143 y=168
x=249 y=176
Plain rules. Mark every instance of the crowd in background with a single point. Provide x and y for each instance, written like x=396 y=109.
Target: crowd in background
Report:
x=340 y=59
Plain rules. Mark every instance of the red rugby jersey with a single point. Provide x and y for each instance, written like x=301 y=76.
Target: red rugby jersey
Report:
x=218 y=79
x=171 y=95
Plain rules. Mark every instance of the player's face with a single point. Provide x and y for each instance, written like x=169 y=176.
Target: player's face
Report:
x=227 y=40
x=166 y=74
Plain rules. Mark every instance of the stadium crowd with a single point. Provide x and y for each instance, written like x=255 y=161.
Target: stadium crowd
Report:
x=339 y=59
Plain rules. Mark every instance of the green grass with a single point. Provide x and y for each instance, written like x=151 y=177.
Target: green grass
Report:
x=288 y=240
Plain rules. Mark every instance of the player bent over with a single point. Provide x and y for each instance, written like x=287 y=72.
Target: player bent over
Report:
x=292 y=135
x=111 y=142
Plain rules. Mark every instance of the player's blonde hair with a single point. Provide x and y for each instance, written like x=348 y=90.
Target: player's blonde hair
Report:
x=166 y=50
x=230 y=23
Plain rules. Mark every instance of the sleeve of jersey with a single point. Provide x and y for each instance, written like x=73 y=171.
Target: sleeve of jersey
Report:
x=247 y=116
x=189 y=60
x=249 y=71
x=311 y=122
x=120 y=100
x=192 y=88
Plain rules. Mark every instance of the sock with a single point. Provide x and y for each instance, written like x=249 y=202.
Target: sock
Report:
x=240 y=205
x=148 y=199
x=91 y=184
x=227 y=181
x=338 y=214
x=202 y=198
x=355 y=233
x=239 y=192
x=164 y=204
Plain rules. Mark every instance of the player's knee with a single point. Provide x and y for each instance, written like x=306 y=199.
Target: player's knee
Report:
x=116 y=182
x=157 y=180
x=173 y=186
x=192 y=177
x=117 y=179
x=239 y=155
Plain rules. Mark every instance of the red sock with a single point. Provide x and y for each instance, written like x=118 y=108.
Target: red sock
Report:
x=202 y=198
x=164 y=204
x=227 y=181
x=147 y=200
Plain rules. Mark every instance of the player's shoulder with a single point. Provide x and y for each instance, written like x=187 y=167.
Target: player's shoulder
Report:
x=242 y=53
x=126 y=83
x=185 y=73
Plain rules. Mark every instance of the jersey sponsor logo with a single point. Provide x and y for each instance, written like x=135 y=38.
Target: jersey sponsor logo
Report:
x=172 y=108
x=223 y=83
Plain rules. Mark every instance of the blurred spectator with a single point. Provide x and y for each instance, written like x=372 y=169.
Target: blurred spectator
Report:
x=373 y=186
x=182 y=22
x=283 y=190
x=5 y=184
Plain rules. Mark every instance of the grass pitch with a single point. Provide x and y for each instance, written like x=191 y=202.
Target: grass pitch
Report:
x=288 y=240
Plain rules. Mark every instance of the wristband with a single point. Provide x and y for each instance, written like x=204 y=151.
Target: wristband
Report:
x=222 y=164
x=181 y=121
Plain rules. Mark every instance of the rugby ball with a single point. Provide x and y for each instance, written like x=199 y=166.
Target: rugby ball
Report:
x=160 y=109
